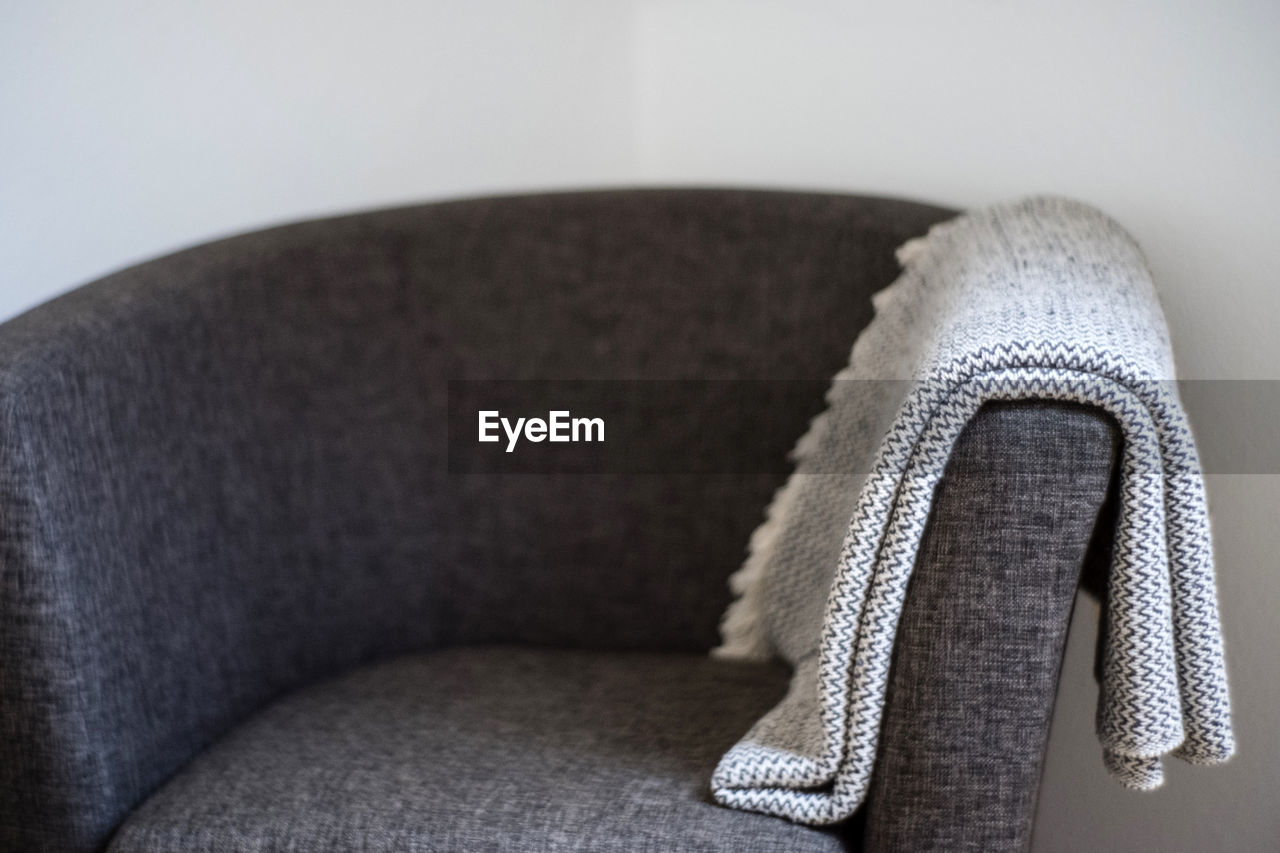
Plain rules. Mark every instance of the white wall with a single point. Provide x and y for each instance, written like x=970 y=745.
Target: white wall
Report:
x=132 y=127
x=128 y=128
x=1165 y=113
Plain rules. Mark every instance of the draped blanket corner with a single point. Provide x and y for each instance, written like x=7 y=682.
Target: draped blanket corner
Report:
x=1039 y=298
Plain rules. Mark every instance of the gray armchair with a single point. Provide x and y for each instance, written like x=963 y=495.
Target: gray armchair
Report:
x=247 y=606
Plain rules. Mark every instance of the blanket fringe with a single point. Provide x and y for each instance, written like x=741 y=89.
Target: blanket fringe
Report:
x=742 y=629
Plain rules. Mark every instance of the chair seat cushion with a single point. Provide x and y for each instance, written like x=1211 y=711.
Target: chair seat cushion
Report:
x=489 y=748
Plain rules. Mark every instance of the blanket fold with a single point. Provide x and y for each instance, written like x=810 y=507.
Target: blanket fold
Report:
x=1039 y=298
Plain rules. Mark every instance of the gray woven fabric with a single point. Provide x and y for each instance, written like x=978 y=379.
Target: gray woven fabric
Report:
x=223 y=474
x=553 y=744
x=498 y=749
x=1040 y=298
x=983 y=627
x=994 y=584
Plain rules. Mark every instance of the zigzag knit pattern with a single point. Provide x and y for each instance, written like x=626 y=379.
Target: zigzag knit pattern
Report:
x=1040 y=298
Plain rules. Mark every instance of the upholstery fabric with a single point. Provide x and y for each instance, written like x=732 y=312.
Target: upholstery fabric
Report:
x=1039 y=298
x=505 y=748
x=499 y=749
x=223 y=473
x=1023 y=491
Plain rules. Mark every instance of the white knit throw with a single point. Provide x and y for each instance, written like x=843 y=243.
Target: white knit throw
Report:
x=1040 y=298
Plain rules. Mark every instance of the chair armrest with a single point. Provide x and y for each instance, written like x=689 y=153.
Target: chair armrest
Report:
x=983 y=630
x=206 y=464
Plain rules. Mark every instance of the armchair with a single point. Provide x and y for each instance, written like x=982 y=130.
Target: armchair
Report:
x=246 y=606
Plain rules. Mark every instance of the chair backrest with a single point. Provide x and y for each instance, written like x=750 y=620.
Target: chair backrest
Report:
x=673 y=285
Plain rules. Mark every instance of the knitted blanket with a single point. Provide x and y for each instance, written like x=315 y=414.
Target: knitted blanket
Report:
x=1040 y=298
